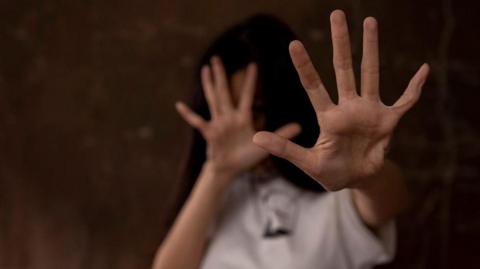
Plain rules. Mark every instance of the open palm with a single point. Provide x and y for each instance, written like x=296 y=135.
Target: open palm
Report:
x=355 y=132
x=229 y=132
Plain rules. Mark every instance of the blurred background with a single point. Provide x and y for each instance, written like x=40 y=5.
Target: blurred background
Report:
x=91 y=146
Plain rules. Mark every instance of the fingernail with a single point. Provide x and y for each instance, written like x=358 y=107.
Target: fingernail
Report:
x=260 y=139
x=338 y=16
x=370 y=23
x=296 y=46
x=425 y=65
x=215 y=59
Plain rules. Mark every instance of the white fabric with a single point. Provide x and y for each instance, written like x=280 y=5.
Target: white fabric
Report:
x=322 y=230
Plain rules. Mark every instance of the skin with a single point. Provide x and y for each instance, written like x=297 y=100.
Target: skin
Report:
x=230 y=150
x=349 y=153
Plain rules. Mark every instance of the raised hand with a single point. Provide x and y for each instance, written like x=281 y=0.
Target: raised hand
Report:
x=355 y=132
x=230 y=130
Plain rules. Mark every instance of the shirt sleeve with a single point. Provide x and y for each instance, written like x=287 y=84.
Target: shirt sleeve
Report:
x=364 y=248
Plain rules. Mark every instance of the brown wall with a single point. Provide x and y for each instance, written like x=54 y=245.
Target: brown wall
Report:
x=90 y=144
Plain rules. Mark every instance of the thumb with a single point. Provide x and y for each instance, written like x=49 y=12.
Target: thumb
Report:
x=278 y=144
x=289 y=130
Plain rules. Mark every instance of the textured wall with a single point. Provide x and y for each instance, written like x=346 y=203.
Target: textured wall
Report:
x=90 y=143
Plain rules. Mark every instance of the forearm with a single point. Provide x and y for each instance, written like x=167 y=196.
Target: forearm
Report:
x=184 y=245
x=383 y=196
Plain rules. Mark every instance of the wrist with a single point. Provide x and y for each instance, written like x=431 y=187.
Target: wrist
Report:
x=379 y=180
x=219 y=169
x=373 y=181
x=219 y=175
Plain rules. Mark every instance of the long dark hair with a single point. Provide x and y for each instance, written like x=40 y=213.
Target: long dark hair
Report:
x=262 y=39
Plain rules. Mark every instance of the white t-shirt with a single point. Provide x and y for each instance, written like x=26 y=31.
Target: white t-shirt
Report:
x=274 y=225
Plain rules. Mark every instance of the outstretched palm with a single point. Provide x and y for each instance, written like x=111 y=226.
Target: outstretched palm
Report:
x=229 y=131
x=355 y=132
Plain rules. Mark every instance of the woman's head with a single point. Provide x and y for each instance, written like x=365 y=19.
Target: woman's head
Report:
x=279 y=98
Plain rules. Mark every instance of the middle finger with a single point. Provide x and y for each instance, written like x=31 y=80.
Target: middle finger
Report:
x=221 y=85
x=342 y=56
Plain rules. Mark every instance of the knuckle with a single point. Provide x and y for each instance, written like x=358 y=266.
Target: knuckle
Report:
x=342 y=64
x=242 y=119
x=311 y=80
x=370 y=70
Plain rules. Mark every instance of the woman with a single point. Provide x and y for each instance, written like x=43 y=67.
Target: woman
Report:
x=248 y=210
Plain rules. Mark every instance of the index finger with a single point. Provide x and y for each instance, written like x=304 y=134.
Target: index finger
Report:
x=221 y=84
x=309 y=77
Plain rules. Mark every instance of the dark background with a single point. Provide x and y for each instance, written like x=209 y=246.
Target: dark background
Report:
x=90 y=144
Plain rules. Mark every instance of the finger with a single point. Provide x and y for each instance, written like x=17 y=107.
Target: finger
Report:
x=370 y=61
x=309 y=77
x=189 y=116
x=342 y=56
x=221 y=85
x=249 y=86
x=289 y=130
x=282 y=147
x=411 y=95
x=208 y=91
